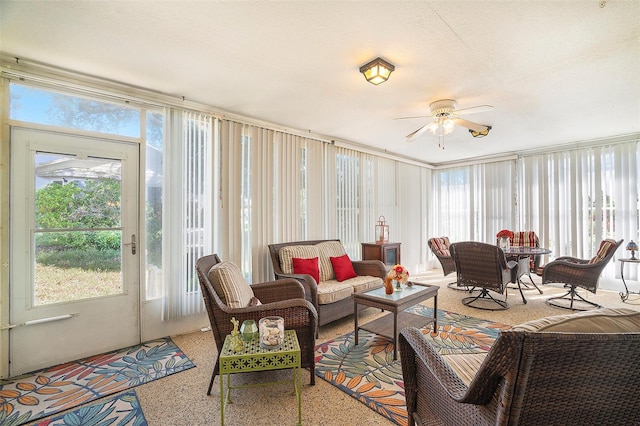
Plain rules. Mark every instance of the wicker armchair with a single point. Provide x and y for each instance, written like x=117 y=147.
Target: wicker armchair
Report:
x=583 y=273
x=482 y=266
x=562 y=371
x=284 y=298
x=440 y=248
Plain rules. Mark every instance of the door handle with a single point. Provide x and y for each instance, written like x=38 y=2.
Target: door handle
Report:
x=132 y=244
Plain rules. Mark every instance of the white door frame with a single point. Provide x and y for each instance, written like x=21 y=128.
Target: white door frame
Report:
x=42 y=336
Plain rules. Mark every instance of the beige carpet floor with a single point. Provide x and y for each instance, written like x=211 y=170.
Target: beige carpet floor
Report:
x=181 y=399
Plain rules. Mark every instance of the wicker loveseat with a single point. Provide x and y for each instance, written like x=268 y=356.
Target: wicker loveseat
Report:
x=578 y=369
x=331 y=298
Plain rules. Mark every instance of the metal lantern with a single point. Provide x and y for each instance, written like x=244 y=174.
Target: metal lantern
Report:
x=382 y=230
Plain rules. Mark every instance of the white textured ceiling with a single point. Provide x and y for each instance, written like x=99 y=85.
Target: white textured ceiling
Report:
x=556 y=72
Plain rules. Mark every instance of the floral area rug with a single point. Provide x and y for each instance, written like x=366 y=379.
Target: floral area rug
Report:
x=52 y=390
x=121 y=410
x=368 y=373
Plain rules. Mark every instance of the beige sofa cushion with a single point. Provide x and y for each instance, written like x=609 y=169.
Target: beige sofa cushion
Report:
x=607 y=320
x=229 y=283
x=465 y=365
x=328 y=249
x=302 y=252
x=333 y=290
x=365 y=282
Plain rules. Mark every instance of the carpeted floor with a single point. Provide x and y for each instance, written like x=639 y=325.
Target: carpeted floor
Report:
x=181 y=399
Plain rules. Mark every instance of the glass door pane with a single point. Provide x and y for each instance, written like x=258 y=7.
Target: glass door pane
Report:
x=77 y=233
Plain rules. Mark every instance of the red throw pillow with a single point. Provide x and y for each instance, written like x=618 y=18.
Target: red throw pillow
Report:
x=343 y=267
x=307 y=266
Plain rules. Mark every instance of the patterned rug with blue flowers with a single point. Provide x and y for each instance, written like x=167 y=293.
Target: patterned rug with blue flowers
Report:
x=368 y=372
x=43 y=393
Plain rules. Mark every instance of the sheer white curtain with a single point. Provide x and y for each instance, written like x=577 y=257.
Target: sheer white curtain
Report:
x=473 y=202
x=368 y=187
x=272 y=187
x=451 y=204
x=348 y=192
x=411 y=225
x=377 y=196
x=187 y=210
x=578 y=198
x=320 y=183
x=230 y=206
x=494 y=199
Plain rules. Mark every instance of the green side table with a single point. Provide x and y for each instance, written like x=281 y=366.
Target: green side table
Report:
x=255 y=358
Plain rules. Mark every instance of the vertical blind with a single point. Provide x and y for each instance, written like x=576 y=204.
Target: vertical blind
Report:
x=577 y=198
x=474 y=202
x=187 y=213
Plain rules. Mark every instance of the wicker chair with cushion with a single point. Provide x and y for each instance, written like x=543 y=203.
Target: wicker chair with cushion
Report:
x=578 y=369
x=482 y=266
x=583 y=273
x=226 y=294
x=530 y=264
x=440 y=248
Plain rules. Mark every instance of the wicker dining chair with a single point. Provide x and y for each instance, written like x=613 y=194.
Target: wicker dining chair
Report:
x=283 y=298
x=482 y=266
x=527 y=239
x=439 y=246
x=582 y=273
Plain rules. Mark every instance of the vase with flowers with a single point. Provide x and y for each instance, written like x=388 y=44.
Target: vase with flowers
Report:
x=504 y=239
x=399 y=274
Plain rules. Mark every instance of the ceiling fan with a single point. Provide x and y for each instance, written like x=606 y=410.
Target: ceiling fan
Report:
x=445 y=117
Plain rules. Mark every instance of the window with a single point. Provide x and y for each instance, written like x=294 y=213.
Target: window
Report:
x=44 y=106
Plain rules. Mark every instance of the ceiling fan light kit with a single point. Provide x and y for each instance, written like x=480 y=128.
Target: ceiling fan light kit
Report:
x=377 y=71
x=445 y=118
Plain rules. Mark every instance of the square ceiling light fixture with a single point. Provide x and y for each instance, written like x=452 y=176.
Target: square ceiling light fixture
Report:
x=377 y=71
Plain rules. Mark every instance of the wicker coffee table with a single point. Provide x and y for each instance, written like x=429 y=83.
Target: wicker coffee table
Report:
x=396 y=303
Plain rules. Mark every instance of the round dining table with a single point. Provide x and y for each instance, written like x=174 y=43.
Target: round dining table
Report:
x=522 y=255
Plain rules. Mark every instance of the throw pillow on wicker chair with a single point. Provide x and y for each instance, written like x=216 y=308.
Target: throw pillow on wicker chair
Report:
x=230 y=285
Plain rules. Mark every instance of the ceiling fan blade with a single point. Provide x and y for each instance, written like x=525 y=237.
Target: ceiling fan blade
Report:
x=473 y=110
x=471 y=125
x=413 y=135
x=417 y=116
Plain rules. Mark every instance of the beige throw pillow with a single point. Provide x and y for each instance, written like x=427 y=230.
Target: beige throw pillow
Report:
x=301 y=252
x=327 y=250
x=229 y=283
x=608 y=320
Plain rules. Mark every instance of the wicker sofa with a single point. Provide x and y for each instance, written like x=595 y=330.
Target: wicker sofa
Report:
x=331 y=298
x=578 y=369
